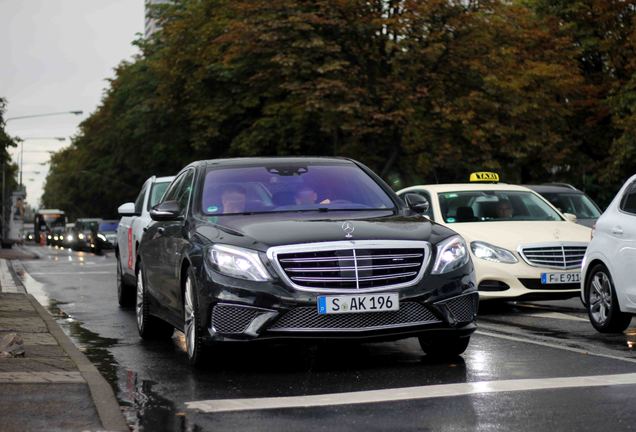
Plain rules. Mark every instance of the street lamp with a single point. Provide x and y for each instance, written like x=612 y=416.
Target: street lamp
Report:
x=76 y=112
x=61 y=139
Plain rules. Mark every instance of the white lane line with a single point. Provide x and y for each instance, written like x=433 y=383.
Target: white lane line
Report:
x=69 y=273
x=552 y=345
x=410 y=393
x=557 y=315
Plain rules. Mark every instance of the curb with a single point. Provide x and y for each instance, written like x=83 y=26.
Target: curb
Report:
x=102 y=394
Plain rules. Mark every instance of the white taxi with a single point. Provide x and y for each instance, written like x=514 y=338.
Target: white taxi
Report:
x=522 y=246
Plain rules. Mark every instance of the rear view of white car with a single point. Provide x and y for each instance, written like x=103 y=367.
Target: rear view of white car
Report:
x=608 y=283
x=135 y=217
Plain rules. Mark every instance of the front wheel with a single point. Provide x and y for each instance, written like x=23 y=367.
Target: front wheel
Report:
x=149 y=327
x=444 y=348
x=602 y=303
x=192 y=326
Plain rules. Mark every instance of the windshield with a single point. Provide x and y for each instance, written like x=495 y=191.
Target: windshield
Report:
x=156 y=193
x=52 y=220
x=576 y=203
x=492 y=206
x=283 y=188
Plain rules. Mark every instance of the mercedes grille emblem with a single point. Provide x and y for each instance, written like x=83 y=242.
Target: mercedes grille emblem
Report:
x=348 y=228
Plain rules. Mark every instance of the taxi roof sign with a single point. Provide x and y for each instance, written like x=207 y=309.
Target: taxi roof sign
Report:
x=484 y=177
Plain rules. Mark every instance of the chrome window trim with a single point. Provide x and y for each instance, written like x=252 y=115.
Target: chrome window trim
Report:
x=273 y=252
x=521 y=247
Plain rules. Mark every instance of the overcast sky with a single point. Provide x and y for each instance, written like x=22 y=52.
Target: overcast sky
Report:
x=55 y=56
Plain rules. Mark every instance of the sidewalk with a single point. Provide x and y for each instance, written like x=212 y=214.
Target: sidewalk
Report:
x=53 y=387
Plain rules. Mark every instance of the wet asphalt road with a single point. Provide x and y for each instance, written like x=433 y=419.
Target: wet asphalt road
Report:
x=528 y=368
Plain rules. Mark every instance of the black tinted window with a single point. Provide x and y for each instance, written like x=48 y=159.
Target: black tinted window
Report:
x=185 y=187
x=628 y=203
x=139 y=202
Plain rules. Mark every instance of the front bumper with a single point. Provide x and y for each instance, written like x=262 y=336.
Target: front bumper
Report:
x=520 y=281
x=244 y=310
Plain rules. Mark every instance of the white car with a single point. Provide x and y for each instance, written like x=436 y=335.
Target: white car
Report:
x=608 y=286
x=135 y=217
x=522 y=246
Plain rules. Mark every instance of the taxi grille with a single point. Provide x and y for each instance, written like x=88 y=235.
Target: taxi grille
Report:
x=308 y=319
x=355 y=268
x=557 y=256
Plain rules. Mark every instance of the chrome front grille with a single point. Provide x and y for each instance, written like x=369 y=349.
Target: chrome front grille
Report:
x=559 y=256
x=352 y=265
x=308 y=319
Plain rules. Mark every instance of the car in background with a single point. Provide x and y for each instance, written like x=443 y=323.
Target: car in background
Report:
x=299 y=248
x=56 y=236
x=568 y=199
x=69 y=235
x=522 y=247
x=135 y=218
x=105 y=237
x=608 y=286
x=84 y=231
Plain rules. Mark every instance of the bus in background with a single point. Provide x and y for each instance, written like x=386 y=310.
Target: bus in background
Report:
x=47 y=220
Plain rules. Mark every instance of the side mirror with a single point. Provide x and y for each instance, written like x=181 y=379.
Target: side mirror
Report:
x=166 y=211
x=127 y=209
x=417 y=202
x=570 y=217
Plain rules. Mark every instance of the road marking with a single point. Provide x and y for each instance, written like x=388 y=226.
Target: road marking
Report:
x=68 y=273
x=410 y=393
x=551 y=345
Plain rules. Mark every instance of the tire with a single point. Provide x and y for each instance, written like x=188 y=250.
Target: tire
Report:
x=193 y=327
x=125 y=292
x=444 y=348
x=602 y=303
x=149 y=327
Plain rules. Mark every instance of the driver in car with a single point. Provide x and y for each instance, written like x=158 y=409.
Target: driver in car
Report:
x=306 y=195
x=233 y=199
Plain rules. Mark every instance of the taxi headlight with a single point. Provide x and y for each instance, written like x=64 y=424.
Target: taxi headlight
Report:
x=238 y=262
x=452 y=254
x=492 y=253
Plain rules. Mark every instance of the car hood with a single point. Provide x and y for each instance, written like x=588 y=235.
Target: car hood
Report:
x=265 y=230
x=511 y=234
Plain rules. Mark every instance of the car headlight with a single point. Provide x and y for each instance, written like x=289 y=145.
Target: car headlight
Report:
x=69 y=237
x=452 y=254
x=80 y=236
x=238 y=262
x=492 y=253
x=101 y=237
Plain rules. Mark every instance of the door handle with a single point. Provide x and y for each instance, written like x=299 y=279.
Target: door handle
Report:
x=617 y=230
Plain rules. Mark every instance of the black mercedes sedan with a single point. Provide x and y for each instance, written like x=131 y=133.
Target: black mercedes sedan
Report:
x=299 y=248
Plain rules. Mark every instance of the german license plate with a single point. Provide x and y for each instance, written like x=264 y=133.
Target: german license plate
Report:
x=560 y=278
x=358 y=303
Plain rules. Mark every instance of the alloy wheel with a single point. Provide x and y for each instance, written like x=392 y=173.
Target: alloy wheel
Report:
x=140 y=301
x=190 y=318
x=600 y=297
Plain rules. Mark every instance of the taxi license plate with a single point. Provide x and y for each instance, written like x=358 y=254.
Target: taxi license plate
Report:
x=358 y=303
x=560 y=278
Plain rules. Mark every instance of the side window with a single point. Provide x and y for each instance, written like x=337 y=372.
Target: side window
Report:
x=628 y=202
x=139 y=202
x=173 y=189
x=184 y=189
